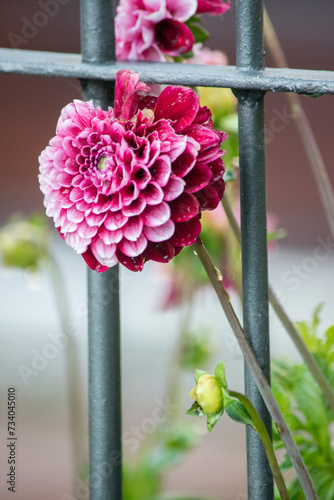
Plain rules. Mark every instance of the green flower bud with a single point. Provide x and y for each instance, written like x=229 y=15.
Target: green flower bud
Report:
x=208 y=394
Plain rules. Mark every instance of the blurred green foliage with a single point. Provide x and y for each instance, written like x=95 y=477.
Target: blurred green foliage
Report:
x=306 y=411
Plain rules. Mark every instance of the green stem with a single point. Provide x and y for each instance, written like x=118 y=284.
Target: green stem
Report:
x=257 y=373
x=266 y=441
x=303 y=126
x=307 y=356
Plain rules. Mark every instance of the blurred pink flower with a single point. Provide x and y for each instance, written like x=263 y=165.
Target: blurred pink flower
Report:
x=128 y=185
x=146 y=29
x=212 y=7
x=204 y=55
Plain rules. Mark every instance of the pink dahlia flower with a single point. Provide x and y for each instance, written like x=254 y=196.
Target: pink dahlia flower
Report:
x=212 y=7
x=128 y=185
x=148 y=29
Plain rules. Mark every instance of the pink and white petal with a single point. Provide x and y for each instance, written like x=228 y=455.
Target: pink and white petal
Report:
x=92 y=263
x=76 y=242
x=133 y=228
x=84 y=112
x=95 y=219
x=85 y=231
x=153 y=194
x=179 y=104
x=115 y=221
x=159 y=233
x=182 y=10
x=174 y=188
x=69 y=147
x=74 y=215
x=136 y=207
x=59 y=159
x=126 y=94
x=104 y=254
x=110 y=237
x=133 y=248
x=161 y=170
x=184 y=208
x=76 y=194
x=156 y=215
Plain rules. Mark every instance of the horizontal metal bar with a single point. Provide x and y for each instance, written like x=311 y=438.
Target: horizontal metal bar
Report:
x=54 y=64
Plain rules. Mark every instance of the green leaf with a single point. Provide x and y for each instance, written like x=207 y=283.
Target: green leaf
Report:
x=198 y=374
x=187 y=55
x=316 y=317
x=195 y=410
x=213 y=419
x=200 y=34
x=220 y=374
x=238 y=412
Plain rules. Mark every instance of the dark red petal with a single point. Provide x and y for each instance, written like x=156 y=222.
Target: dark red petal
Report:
x=92 y=262
x=218 y=169
x=132 y=263
x=219 y=186
x=159 y=252
x=184 y=208
x=185 y=162
x=197 y=178
x=208 y=198
x=212 y=7
x=186 y=232
x=147 y=102
x=179 y=104
x=173 y=37
x=205 y=136
x=204 y=115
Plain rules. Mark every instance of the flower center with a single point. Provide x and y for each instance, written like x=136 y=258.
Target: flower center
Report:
x=102 y=163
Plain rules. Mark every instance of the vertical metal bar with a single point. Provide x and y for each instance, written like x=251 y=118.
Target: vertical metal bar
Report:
x=104 y=399
x=250 y=55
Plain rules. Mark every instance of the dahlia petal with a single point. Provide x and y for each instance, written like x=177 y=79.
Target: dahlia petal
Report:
x=83 y=206
x=136 y=207
x=64 y=179
x=133 y=228
x=182 y=10
x=204 y=116
x=173 y=37
x=160 y=252
x=161 y=170
x=56 y=142
x=110 y=236
x=179 y=104
x=159 y=233
x=205 y=136
x=156 y=215
x=169 y=142
x=219 y=186
x=186 y=232
x=184 y=208
x=95 y=219
x=174 y=188
x=71 y=167
x=85 y=231
x=185 y=162
x=76 y=242
x=90 y=194
x=59 y=159
x=92 y=262
x=212 y=7
x=85 y=112
x=68 y=129
x=115 y=221
x=131 y=263
x=153 y=194
x=76 y=194
x=133 y=248
x=74 y=215
x=126 y=94
x=104 y=254
x=69 y=147
x=208 y=198
x=197 y=178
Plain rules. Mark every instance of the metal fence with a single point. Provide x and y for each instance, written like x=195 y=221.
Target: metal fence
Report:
x=96 y=68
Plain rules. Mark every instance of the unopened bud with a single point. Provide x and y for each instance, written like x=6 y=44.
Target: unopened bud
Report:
x=208 y=394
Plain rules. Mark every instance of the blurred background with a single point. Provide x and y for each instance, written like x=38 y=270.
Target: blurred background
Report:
x=30 y=107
